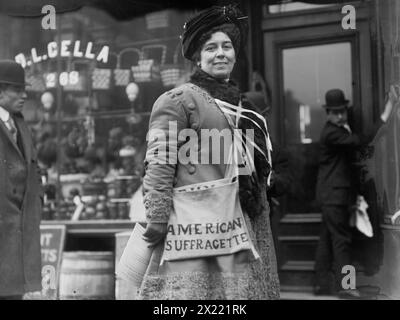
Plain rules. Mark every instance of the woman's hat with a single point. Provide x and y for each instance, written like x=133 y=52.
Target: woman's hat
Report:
x=334 y=99
x=12 y=73
x=208 y=19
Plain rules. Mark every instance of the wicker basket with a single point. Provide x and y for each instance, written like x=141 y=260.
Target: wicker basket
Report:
x=122 y=76
x=148 y=69
x=171 y=73
x=145 y=71
x=35 y=77
x=101 y=79
x=36 y=83
x=157 y=19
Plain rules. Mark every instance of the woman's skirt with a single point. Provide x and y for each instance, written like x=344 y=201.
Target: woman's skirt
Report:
x=235 y=276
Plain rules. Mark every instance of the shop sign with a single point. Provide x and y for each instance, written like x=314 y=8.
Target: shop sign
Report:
x=65 y=79
x=67 y=49
x=52 y=240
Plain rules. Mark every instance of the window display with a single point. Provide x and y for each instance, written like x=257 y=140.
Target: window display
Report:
x=93 y=81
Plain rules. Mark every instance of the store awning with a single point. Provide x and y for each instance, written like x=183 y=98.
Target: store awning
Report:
x=119 y=9
x=122 y=9
x=308 y=1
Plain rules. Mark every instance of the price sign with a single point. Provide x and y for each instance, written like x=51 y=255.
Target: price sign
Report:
x=52 y=240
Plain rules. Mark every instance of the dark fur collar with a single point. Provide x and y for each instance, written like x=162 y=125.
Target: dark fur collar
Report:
x=217 y=88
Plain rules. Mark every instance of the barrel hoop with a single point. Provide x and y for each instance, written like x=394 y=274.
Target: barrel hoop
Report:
x=87 y=271
x=80 y=297
x=87 y=257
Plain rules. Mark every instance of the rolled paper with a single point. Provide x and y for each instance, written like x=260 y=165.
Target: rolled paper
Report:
x=135 y=259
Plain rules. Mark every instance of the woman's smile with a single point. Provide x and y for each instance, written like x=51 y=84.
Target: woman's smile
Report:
x=217 y=57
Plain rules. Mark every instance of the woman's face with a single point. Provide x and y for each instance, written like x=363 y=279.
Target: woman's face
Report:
x=217 y=56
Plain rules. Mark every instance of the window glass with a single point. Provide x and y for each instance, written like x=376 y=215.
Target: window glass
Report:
x=309 y=72
x=288 y=6
x=93 y=81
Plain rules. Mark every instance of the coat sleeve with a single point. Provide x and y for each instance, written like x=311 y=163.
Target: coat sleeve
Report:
x=168 y=117
x=341 y=138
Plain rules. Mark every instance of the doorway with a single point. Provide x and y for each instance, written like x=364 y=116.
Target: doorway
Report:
x=304 y=58
x=305 y=54
x=308 y=71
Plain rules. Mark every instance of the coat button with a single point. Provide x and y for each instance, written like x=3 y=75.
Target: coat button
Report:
x=191 y=169
x=179 y=92
x=192 y=106
x=195 y=125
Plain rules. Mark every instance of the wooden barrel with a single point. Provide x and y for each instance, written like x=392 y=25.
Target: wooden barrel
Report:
x=87 y=275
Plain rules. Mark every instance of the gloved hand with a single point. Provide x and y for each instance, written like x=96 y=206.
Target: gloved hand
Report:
x=154 y=233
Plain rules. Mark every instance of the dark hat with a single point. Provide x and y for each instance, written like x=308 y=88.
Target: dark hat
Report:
x=206 y=20
x=334 y=99
x=12 y=72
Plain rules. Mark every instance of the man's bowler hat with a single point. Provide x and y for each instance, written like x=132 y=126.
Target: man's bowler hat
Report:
x=335 y=99
x=12 y=72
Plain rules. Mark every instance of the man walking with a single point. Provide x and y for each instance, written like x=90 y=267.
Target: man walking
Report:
x=337 y=190
x=20 y=191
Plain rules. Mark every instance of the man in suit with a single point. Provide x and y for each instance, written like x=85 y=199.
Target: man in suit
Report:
x=337 y=190
x=20 y=191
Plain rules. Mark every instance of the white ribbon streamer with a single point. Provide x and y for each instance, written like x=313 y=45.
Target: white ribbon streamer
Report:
x=227 y=109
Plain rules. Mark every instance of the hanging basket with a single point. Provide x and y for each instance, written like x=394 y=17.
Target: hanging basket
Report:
x=122 y=76
x=101 y=79
x=145 y=71
x=148 y=70
x=157 y=20
x=35 y=79
x=171 y=73
x=36 y=83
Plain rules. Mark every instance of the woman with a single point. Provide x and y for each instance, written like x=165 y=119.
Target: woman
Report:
x=212 y=40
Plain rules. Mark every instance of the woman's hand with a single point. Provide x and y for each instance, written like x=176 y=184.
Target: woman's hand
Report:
x=154 y=233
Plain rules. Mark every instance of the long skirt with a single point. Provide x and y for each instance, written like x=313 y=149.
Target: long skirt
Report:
x=235 y=276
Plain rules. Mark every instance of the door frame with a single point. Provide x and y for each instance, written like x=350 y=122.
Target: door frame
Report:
x=321 y=26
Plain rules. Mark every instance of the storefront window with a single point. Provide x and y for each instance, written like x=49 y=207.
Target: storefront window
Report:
x=93 y=81
x=289 y=6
